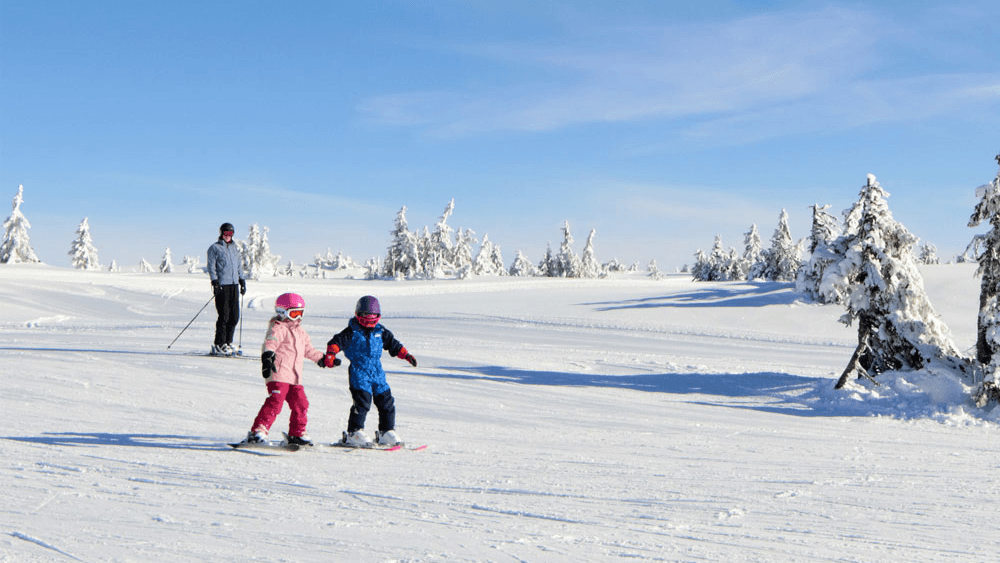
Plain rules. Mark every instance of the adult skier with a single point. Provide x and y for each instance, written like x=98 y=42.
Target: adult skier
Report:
x=225 y=268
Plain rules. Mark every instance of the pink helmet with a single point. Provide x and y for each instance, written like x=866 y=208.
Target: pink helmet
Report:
x=289 y=306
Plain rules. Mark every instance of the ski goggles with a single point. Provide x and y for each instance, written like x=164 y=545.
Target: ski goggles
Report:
x=294 y=313
x=368 y=320
x=227 y=233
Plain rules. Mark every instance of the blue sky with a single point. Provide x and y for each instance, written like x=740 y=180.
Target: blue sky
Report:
x=659 y=124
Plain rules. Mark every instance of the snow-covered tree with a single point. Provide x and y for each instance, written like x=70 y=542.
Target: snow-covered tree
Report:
x=653 y=271
x=489 y=260
x=257 y=258
x=439 y=257
x=753 y=253
x=522 y=266
x=82 y=252
x=403 y=255
x=145 y=267
x=567 y=262
x=821 y=250
x=878 y=281
x=986 y=249
x=166 y=263
x=548 y=266
x=331 y=261
x=927 y=254
x=114 y=267
x=702 y=269
x=589 y=266
x=461 y=259
x=16 y=246
x=191 y=263
x=781 y=260
x=372 y=268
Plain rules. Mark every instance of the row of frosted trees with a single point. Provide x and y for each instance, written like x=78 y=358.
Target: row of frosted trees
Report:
x=444 y=252
x=439 y=253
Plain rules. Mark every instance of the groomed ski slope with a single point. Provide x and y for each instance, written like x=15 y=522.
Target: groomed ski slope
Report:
x=567 y=420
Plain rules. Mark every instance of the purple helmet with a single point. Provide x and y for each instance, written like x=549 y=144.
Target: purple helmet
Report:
x=367 y=311
x=367 y=305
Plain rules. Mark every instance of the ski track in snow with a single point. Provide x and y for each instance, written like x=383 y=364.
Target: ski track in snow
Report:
x=596 y=421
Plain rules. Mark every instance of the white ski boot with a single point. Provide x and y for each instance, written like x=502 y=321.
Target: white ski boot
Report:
x=387 y=438
x=357 y=439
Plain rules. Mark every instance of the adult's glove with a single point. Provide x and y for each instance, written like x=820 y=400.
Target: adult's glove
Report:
x=243 y=286
x=267 y=364
x=215 y=287
x=405 y=355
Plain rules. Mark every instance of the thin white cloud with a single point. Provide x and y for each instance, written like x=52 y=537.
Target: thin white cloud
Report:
x=742 y=80
x=644 y=72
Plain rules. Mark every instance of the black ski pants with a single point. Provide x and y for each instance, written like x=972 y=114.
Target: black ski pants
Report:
x=385 y=404
x=227 y=303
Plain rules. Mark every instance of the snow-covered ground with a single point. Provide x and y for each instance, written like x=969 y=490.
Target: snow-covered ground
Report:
x=566 y=420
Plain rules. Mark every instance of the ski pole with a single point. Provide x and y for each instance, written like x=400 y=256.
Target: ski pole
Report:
x=192 y=320
x=239 y=352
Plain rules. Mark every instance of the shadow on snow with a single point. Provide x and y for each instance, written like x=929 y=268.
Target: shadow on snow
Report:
x=748 y=294
x=788 y=393
x=91 y=439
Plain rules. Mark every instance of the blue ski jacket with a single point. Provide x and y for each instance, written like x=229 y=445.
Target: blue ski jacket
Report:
x=224 y=263
x=363 y=347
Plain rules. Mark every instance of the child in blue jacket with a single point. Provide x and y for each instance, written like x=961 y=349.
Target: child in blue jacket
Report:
x=362 y=342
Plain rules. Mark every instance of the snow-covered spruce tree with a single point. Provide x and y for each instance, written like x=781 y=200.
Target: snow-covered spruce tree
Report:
x=113 y=268
x=372 y=268
x=461 y=257
x=145 y=267
x=191 y=263
x=653 y=271
x=522 y=266
x=720 y=265
x=402 y=258
x=567 y=262
x=878 y=281
x=927 y=254
x=702 y=269
x=781 y=260
x=16 y=247
x=822 y=252
x=589 y=266
x=753 y=253
x=331 y=261
x=257 y=258
x=488 y=261
x=166 y=263
x=548 y=266
x=82 y=252
x=439 y=248
x=986 y=249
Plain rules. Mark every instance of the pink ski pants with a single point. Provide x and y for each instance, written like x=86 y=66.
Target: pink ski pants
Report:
x=278 y=393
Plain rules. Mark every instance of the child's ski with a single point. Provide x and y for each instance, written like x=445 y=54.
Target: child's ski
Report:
x=374 y=446
x=265 y=446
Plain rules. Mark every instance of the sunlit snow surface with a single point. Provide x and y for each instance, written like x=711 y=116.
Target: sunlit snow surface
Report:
x=566 y=420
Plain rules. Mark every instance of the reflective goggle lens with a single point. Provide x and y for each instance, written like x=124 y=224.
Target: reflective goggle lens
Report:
x=227 y=233
x=295 y=313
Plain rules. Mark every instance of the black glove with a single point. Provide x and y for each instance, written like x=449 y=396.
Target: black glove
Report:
x=215 y=287
x=409 y=357
x=267 y=364
x=322 y=362
x=243 y=286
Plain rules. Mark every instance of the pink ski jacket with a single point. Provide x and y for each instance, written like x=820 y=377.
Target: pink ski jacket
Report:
x=290 y=344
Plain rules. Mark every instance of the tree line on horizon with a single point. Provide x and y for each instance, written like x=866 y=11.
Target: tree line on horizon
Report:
x=868 y=265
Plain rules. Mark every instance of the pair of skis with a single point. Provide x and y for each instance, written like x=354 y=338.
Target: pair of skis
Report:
x=285 y=446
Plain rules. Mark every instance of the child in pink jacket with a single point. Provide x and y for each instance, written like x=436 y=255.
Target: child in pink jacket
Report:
x=285 y=347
